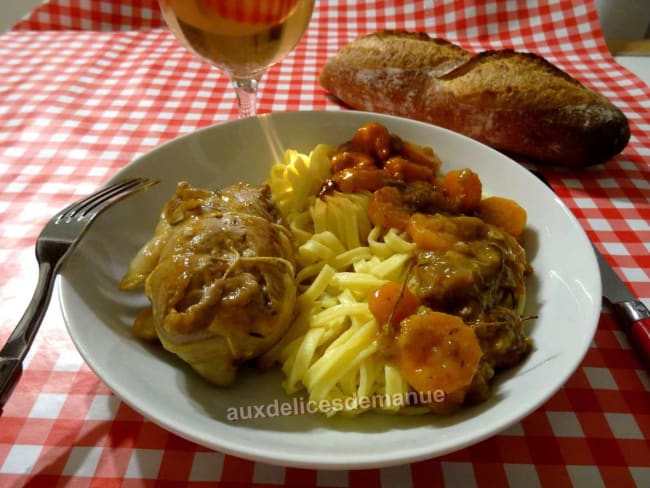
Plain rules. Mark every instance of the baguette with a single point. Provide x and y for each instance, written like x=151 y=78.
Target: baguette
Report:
x=516 y=102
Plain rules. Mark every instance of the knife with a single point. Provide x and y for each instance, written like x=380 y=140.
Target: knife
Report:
x=631 y=314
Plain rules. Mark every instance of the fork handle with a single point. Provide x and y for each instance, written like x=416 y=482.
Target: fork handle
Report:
x=14 y=351
x=10 y=371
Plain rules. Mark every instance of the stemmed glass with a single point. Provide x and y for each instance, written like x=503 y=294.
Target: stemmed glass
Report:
x=241 y=37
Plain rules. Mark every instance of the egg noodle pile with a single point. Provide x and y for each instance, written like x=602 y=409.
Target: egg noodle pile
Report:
x=331 y=349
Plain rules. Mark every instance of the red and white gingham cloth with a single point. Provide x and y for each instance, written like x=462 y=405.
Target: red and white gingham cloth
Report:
x=87 y=86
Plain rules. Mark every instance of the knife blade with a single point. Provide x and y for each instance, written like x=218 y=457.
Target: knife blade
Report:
x=633 y=316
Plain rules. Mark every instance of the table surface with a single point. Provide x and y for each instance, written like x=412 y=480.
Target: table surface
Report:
x=86 y=87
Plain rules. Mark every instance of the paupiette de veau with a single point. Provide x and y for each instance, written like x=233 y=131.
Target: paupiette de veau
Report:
x=219 y=274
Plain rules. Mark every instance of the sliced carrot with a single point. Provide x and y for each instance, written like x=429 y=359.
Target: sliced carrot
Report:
x=432 y=232
x=351 y=180
x=463 y=188
x=405 y=170
x=504 y=213
x=392 y=302
x=437 y=352
x=422 y=155
x=373 y=139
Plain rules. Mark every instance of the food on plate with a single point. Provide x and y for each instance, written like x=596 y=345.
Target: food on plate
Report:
x=411 y=282
x=219 y=273
x=516 y=102
x=373 y=278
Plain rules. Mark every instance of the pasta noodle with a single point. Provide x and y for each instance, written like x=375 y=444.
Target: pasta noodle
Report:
x=331 y=350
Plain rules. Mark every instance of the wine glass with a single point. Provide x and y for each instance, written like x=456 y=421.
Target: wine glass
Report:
x=241 y=37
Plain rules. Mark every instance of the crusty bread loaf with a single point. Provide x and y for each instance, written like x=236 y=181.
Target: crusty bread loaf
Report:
x=516 y=102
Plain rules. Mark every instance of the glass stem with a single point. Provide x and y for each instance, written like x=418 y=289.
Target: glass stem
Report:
x=246 y=90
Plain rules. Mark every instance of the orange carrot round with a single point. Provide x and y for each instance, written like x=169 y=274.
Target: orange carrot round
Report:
x=504 y=213
x=392 y=302
x=405 y=170
x=432 y=232
x=421 y=155
x=351 y=180
x=373 y=139
x=463 y=188
x=436 y=351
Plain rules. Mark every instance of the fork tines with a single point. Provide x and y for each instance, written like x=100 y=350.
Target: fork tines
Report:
x=106 y=196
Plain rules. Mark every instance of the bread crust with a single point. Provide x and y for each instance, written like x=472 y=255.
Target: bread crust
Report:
x=516 y=102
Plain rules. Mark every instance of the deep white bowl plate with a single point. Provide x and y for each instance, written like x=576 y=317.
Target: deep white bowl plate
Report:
x=564 y=292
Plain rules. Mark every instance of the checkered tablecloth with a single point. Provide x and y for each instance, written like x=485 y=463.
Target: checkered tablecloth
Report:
x=86 y=86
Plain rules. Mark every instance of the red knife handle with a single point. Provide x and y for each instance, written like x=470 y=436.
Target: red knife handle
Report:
x=639 y=335
x=634 y=316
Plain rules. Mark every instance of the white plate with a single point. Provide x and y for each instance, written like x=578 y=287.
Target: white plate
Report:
x=564 y=292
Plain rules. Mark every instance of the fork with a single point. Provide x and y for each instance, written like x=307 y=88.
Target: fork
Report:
x=54 y=245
